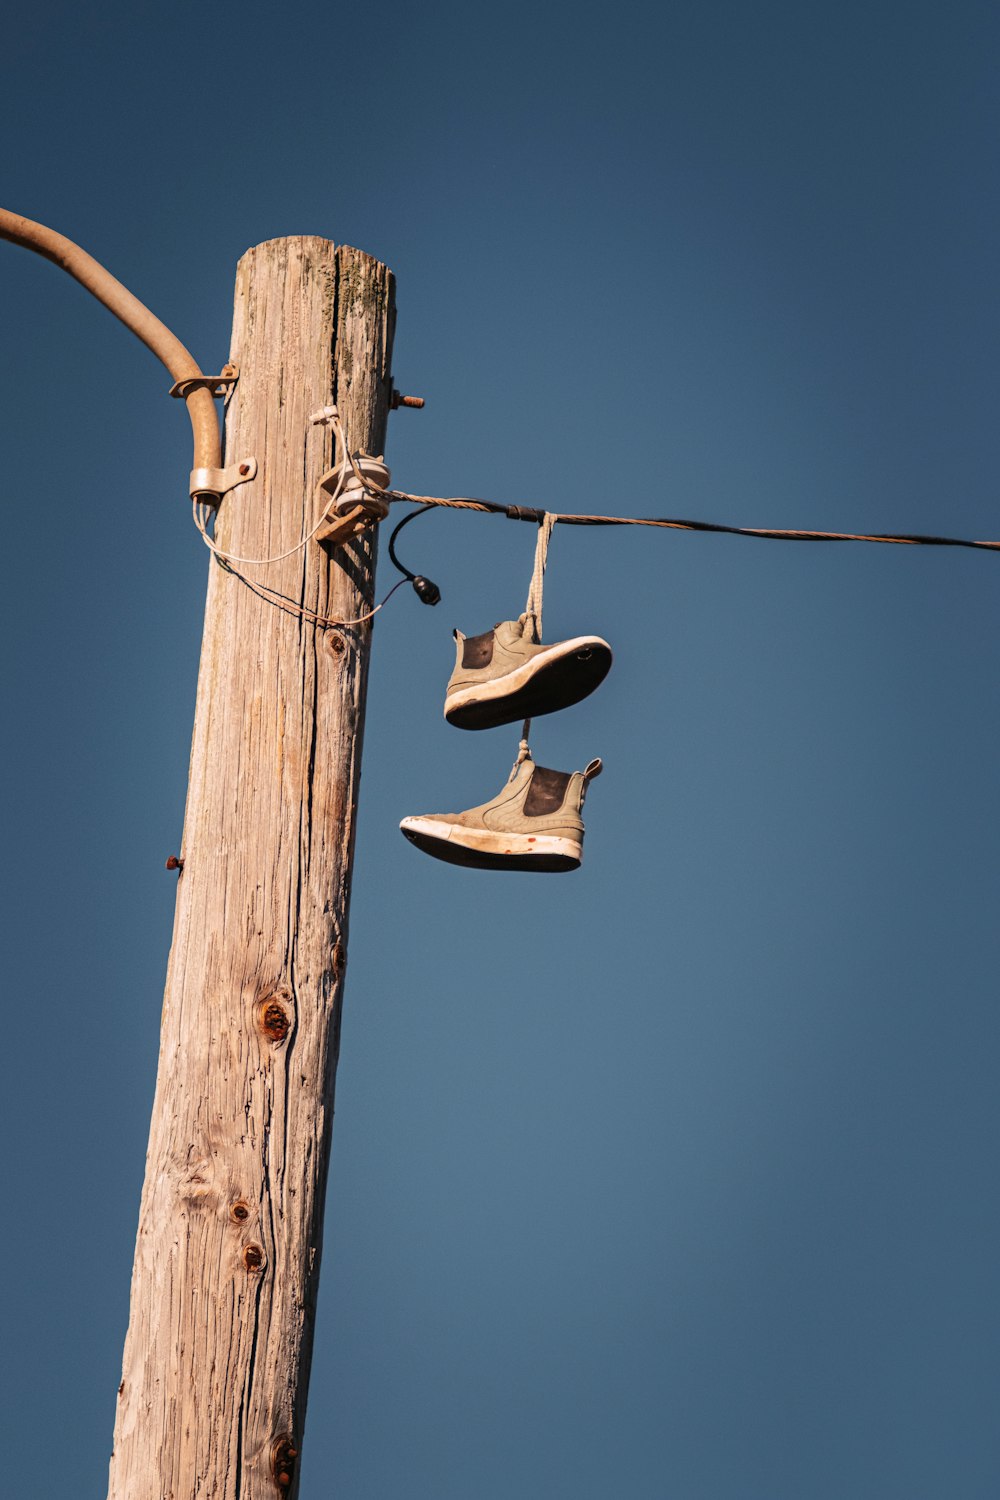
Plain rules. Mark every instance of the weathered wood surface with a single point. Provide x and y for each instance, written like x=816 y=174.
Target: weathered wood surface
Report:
x=216 y=1362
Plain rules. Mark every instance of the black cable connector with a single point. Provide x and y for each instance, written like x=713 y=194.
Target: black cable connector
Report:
x=425 y=589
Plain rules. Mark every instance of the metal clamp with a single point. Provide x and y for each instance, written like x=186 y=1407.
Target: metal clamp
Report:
x=212 y=484
x=325 y=417
x=219 y=385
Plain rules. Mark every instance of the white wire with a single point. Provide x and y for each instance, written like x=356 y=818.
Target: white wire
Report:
x=201 y=511
x=323 y=621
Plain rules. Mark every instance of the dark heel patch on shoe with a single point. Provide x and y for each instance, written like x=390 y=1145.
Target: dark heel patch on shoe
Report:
x=546 y=793
x=477 y=651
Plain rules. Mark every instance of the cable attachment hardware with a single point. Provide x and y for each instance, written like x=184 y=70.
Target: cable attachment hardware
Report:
x=354 y=486
x=353 y=506
x=209 y=485
x=219 y=385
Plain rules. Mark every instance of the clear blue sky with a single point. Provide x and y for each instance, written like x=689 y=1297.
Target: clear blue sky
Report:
x=675 y=1177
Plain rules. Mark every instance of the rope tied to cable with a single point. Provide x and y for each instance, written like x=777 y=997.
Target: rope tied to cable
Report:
x=533 y=608
x=532 y=616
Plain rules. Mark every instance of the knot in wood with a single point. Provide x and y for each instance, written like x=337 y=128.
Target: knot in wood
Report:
x=253 y=1258
x=274 y=1018
x=283 y=1456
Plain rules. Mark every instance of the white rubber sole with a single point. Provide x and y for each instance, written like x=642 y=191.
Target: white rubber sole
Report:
x=552 y=680
x=486 y=849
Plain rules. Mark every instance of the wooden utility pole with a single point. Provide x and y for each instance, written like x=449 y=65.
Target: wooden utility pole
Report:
x=213 y=1395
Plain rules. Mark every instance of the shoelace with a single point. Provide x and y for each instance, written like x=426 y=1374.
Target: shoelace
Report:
x=533 y=611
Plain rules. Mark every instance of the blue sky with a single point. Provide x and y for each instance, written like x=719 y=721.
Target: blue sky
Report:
x=675 y=1177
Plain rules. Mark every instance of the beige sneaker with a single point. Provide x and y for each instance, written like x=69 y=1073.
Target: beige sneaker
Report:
x=533 y=824
x=505 y=675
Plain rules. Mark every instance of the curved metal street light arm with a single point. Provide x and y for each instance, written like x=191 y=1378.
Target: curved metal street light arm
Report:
x=135 y=315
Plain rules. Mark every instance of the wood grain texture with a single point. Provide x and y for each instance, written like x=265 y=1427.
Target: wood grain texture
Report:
x=216 y=1362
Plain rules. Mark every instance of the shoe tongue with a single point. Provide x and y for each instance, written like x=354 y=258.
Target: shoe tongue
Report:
x=508 y=631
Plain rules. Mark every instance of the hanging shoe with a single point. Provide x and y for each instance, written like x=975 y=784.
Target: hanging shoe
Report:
x=506 y=675
x=533 y=824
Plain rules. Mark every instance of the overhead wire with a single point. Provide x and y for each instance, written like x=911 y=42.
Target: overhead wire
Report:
x=535 y=514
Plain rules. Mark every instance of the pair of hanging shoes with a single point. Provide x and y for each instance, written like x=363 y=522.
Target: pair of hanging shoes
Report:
x=535 y=822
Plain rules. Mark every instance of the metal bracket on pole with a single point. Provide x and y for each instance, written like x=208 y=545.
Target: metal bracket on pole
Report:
x=219 y=385
x=212 y=484
x=338 y=529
